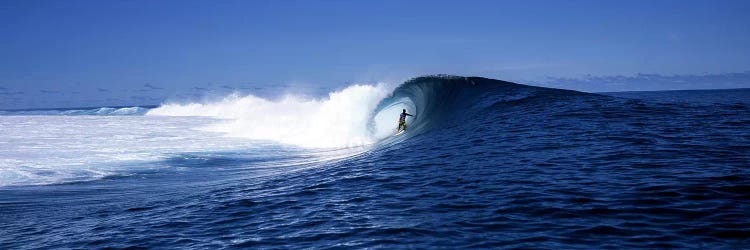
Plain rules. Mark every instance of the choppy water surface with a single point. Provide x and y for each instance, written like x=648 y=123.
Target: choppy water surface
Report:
x=485 y=164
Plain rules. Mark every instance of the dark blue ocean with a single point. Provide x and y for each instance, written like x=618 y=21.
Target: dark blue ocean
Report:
x=484 y=164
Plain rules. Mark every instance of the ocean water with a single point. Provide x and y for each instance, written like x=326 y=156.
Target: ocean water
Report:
x=484 y=164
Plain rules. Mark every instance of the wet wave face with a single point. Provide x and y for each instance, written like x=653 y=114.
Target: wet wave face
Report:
x=483 y=164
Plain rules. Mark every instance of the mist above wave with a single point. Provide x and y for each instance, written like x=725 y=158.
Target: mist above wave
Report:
x=339 y=120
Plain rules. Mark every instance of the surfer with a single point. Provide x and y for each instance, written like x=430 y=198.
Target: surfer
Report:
x=402 y=122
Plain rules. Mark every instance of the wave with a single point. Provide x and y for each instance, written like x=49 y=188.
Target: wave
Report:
x=442 y=99
x=360 y=118
x=357 y=115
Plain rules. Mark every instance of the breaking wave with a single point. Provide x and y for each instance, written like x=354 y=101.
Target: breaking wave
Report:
x=354 y=116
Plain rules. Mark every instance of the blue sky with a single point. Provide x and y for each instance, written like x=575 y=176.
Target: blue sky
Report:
x=90 y=53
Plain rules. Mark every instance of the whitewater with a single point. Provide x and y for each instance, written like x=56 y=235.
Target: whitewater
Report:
x=484 y=164
x=342 y=119
x=68 y=145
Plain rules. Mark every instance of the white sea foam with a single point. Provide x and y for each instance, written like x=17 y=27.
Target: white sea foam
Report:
x=38 y=149
x=340 y=120
x=47 y=149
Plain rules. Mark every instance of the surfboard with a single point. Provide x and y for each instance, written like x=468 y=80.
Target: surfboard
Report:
x=399 y=133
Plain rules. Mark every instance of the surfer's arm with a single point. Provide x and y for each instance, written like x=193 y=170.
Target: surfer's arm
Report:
x=409 y=114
